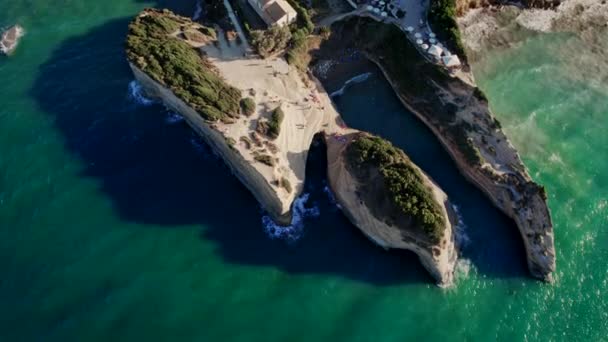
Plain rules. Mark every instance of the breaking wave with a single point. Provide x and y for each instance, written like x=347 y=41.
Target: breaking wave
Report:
x=461 y=238
x=173 y=118
x=200 y=146
x=331 y=197
x=198 y=12
x=137 y=95
x=463 y=268
x=294 y=231
x=357 y=79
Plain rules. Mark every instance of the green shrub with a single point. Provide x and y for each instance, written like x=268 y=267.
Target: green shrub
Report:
x=246 y=141
x=231 y=142
x=403 y=183
x=248 y=106
x=274 y=124
x=285 y=184
x=458 y=133
x=268 y=42
x=325 y=31
x=178 y=66
x=479 y=94
x=303 y=19
x=263 y=158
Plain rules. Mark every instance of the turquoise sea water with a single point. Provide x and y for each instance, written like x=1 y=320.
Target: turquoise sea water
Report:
x=117 y=223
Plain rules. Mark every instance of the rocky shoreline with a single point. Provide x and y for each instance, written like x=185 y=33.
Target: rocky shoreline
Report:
x=500 y=174
x=438 y=255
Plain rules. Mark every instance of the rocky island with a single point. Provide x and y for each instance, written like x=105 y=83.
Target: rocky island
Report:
x=10 y=39
x=260 y=114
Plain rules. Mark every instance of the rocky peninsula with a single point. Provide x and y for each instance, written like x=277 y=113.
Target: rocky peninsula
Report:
x=260 y=116
x=10 y=39
x=458 y=114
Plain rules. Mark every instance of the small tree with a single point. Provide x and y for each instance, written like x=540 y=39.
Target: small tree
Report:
x=248 y=106
x=274 y=125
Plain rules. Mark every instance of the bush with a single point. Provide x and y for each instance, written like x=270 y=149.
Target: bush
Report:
x=303 y=19
x=270 y=41
x=479 y=94
x=285 y=184
x=403 y=184
x=263 y=158
x=178 y=66
x=246 y=141
x=274 y=124
x=458 y=133
x=325 y=31
x=248 y=106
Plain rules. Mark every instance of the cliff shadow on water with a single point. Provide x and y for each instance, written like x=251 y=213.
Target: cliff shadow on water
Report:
x=491 y=240
x=156 y=172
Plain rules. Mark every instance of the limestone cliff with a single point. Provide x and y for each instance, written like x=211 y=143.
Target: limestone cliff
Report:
x=276 y=179
x=247 y=173
x=438 y=257
x=459 y=116
x=501 y=175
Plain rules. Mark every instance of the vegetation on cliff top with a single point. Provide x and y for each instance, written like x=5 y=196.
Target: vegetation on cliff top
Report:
x=394 y=188
x=272 y=127
x=154 y=48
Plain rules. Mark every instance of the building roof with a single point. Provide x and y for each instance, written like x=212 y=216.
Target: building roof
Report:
x=451 y=61
x=435 y=50
x=277 y=9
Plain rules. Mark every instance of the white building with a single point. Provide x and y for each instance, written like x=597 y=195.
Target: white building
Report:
x=274 y=12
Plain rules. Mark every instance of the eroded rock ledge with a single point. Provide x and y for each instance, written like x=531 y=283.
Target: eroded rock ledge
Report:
x=204 y=87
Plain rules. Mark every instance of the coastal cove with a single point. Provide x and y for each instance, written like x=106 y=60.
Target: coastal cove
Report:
x=119 y=223
x=369 y=103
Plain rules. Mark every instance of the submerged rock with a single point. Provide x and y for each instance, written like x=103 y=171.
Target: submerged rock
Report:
x=10 y=39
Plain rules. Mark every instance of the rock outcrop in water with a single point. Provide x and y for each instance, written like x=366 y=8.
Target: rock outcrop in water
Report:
x=458 y=115
x=10 y=39
x=276 y=180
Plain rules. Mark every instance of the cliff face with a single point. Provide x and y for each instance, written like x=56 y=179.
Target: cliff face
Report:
x=458 y=114
x=439 y=258
x=246 y=172
x=502 y=177
x=271 y=167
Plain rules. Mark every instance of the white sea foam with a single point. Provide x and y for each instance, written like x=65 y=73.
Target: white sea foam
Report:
x=331 y=197
x=461 y=238
x=173 y=118
x=137 y=95
x=294 y=231
x=357 y=79
x=198 y=12
x=200 y=146
x=463 y=268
